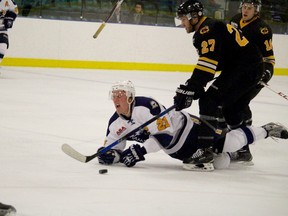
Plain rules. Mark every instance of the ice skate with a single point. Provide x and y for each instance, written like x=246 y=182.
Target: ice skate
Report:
x=7 y=210
x=242 y=156
x=201 y=160
x=276 y=130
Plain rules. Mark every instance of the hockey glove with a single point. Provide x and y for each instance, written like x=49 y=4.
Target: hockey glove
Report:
x=183 y=98
x=9 y=19
x=109 y=157
x=267 y=75
x=132 y=155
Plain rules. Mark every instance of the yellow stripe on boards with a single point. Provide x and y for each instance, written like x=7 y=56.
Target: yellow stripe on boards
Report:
x=30 y=62
x=27 y=62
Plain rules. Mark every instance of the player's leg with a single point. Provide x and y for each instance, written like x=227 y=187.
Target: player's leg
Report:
x=7 y=210
x=237 y=139
x=4 y=44
x=203 y=157
x=244 y=155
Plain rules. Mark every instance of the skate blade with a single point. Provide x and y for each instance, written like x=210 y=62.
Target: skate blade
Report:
x=207 y=167
x=244 y=163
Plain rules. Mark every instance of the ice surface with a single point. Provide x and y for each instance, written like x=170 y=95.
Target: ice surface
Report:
x=42 y=108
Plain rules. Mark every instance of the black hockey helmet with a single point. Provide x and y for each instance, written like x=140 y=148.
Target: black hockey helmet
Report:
x=190 y=7
x=257 y=4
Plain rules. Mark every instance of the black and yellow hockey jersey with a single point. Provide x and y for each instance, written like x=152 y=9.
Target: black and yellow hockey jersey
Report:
x=221 y=47
x=257 y=31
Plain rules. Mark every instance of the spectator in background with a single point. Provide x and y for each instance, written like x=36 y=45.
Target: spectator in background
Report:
x=137 y=14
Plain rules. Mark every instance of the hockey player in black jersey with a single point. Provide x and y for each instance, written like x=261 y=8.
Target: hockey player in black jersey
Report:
x=257 y=31
x=221 y=47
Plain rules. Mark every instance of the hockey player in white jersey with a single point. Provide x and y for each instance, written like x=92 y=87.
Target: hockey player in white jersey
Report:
x=176 y=133
x=8 y=14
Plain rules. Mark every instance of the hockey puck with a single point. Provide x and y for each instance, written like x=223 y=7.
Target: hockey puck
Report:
x=103 y=171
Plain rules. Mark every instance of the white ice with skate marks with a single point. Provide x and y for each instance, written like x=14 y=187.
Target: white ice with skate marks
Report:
x=41 y=109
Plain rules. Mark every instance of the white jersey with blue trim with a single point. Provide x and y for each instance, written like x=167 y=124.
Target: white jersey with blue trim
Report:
x=6 y=5
x=168 y=132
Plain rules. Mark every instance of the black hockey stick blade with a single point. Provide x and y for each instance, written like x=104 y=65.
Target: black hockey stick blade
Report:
x=67 y=149
x=101 y=27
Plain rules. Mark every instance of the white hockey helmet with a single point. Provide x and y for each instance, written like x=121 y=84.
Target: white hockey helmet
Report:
x=126 y=86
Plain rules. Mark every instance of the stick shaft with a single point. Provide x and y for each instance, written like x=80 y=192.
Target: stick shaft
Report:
x=82 y=158
x=217 y=131
x=116 y=6
x=101 y=27
x=130 y=133
x=279 y=93
x=99 y=30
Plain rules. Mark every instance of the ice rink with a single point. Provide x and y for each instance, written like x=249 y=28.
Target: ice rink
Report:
x=42 y=108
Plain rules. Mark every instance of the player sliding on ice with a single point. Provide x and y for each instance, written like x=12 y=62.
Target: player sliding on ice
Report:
x=176 y=133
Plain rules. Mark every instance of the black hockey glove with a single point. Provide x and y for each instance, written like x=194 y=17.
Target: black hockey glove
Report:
x=9 y=19
x=133 y=154
x=267 y=75
x=183 y=98
x=109 y=157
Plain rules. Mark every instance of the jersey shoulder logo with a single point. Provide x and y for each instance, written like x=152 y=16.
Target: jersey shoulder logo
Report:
x=234 y=24
x=204 y=30
x=153 y=104
x=264 y=30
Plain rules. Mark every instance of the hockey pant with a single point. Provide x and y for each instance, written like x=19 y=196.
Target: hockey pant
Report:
x=229 y=93
x=4 y=44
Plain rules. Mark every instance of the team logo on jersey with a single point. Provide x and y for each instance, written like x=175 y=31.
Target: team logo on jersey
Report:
x=264 y=30
x=162 y=123
x=137 y=138
x=131 y=121
x=141 y=136
x=120 y=130
x=204 y=30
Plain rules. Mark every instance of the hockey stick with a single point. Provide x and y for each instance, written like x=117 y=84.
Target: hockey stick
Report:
x=218 y=131
x=67 y=149
x=279 y=93
x=116 y=6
